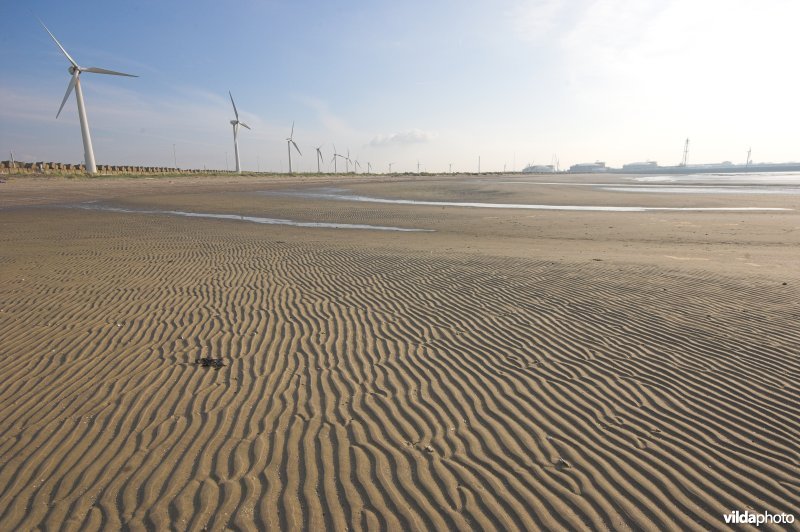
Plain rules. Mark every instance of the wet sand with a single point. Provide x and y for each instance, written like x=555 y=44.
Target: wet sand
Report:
x=509 y=369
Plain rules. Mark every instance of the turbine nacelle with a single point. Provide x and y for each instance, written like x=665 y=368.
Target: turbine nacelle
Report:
x=291 y=142
x=236 y=112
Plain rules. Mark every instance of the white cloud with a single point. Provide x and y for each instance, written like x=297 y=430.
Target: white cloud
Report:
x=332 y=122
x=717 y=71
x=535 y=20
x=411 y=136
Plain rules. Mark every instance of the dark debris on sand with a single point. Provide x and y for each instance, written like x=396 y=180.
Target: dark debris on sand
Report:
x=210 y=362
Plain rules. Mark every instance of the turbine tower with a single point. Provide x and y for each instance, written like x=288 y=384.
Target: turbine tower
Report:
x=236 y=123
x=685 y=153
x=75 y=83
x=335 y=155
x=289 y=143
x=319 y=158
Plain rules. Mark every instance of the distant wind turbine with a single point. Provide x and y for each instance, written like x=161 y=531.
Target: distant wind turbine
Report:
x=75 y=83
x=390 y=167
x=289 y=143
x=369 y=167
x=335 y=155
x=319 y=158
x=347 y=161
x=356 y=166
x=236 y=123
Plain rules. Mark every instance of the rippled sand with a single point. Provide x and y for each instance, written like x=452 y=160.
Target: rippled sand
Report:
x=507 y=370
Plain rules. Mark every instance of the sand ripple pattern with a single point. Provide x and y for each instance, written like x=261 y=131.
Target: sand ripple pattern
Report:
x=374 y=390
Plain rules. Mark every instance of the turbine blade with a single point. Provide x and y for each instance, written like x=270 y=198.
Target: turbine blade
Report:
x=71 y=60
x=104 y=71
x=295 y=147
x=291 y=135
x=244 y=125
x=234 y=106
x=69 y=91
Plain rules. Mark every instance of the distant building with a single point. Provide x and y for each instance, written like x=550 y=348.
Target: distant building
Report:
x=589 y=168
x=539 y=169
x=640 y=167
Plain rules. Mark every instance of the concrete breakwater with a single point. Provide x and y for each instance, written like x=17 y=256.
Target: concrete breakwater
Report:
x=41 y=167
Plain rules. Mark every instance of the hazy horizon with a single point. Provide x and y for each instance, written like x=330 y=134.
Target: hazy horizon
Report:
x=514 y=82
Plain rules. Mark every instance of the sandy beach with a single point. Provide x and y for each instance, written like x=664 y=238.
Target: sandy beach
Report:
x=483 y=368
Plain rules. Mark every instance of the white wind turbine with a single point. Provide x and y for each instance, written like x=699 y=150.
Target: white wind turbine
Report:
x=75 y=83
x=319 y=158
x=289 y=143
x=333 y=160
x=236 y=123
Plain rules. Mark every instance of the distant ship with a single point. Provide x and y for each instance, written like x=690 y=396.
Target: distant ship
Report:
x=598 y=167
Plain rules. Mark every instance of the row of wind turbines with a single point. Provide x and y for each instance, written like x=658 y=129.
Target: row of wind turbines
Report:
x=290 y=143
x=76 y=70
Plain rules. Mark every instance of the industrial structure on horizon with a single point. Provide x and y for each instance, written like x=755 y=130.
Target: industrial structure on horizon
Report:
x=652 y=167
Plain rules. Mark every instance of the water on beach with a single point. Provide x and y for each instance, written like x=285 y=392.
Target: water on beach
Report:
x=252 y=219
x=343 y=195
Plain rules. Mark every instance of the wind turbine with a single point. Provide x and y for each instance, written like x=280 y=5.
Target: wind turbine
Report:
x=75 y=83
x=356 y=166
x=390 y=167
x=335 y=155
x=369 y=167
x=347 y=161
x=289 y=143
x=236 y=123
x=319 y=158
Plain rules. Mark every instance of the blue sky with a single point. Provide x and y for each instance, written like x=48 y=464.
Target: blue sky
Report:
x=440 y=82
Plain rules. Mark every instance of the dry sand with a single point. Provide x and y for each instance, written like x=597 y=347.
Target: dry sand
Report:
x=511 y=370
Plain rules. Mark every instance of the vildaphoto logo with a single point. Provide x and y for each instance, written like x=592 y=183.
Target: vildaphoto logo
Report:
x=750 y=518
